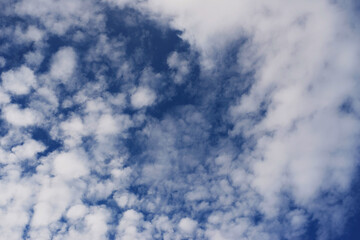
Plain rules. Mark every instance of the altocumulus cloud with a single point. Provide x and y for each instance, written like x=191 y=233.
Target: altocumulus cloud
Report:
x=157 y=119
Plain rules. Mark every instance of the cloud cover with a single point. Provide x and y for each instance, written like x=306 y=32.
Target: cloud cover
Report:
x=245 y=128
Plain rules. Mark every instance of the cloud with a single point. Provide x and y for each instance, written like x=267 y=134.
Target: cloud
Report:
x=27 y=150
x=2 y=62
x=76 y=212
x=132 y=226
x=63 y=64
x=252 y=131
x=94 y=226
x=34 y=59
x=187 y=225
x=4 y=98
x=180 y=65
x=109 y=125
x=142 y=97
x=34 y=34
x=18 y=81
x=20 y=117
x=58 y=17
x=15 y=203
x=125 y=200
x=70 y=165
x=52 y=201
x=31 y=34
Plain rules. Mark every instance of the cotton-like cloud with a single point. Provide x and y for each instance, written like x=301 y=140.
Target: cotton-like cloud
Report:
x=34 y=58
x=131 y=226
x=177 y=119
x=18 y=81
x=76 y=212
x=63 y=64
x=187 y=225
x=34 y=34
x=110 y=125
x=59 y=17
x=143 y=97
x=4 y=98
x=287 y=52
x=28 y=150
x=31 y=34
x=70 y=165
x=94 y=226
x=20 y=117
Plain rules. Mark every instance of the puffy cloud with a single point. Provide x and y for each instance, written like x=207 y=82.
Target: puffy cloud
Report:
x=76 y=212
x=16 y=200
x=257 y=144
x=59 y=17
x=132 y=226
x=70 y=165
x=27 y=150
x=4 y=98
x=34 y=34
x=34 y=59
x=112 y=125
x=143 y=97
x=21 y=117
x=53 y=198
x=63 y=64
x=18 y=81
x=187 y=225
x=125 y=199
x=296 y=80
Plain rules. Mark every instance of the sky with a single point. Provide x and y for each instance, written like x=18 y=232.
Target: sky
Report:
x=181 y=119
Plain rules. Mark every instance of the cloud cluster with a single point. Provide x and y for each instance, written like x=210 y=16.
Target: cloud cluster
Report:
x=244 y=127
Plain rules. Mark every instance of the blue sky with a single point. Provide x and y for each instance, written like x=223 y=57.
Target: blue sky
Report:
x=156 y=119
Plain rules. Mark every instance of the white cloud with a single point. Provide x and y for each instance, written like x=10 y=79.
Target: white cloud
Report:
x=70 y=165
x=100 y=190
x=28 y=149
x=63 y=64
x=59 y=17
x=132 y=226
x=73 y=130
x=49 y=96
x=143 y=97
x=76 y=212
x=4 y=98
x=34 y=59
x=21 y=117
x=107 y=125
x=94 y=226
x=33 y=34
x=303 y=59
x=53 y=199
x=16 y=200
x=125 y=199
x=18 y=81
x=187 y=225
